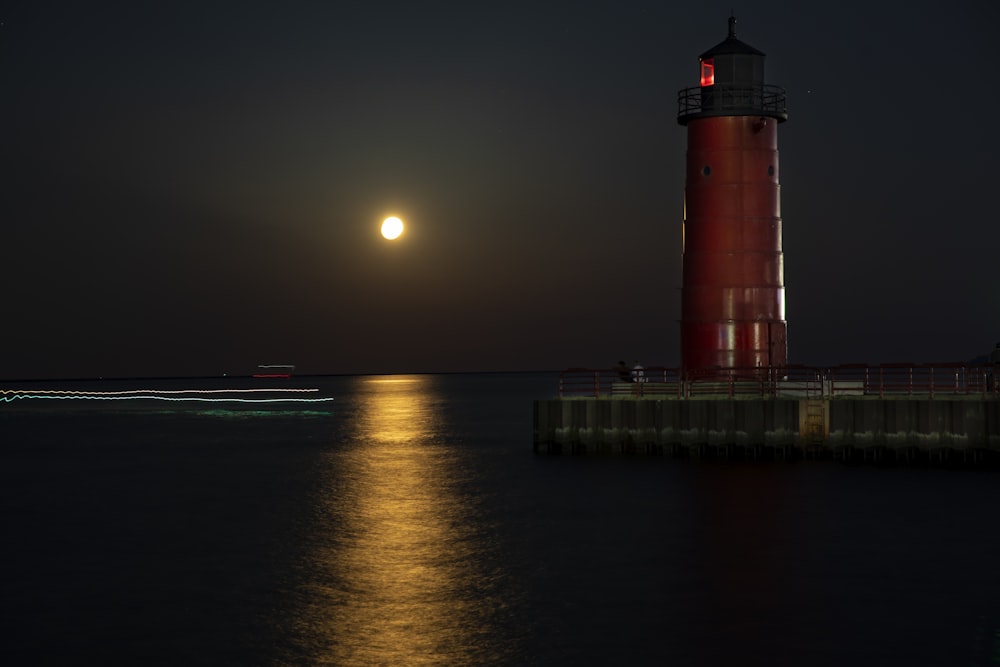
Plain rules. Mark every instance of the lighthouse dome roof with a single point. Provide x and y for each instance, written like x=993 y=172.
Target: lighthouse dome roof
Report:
x=731 y=45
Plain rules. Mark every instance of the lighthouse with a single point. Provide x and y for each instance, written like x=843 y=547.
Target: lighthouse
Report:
x=733 y=293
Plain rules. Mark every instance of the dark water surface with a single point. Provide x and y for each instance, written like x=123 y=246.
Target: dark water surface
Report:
x=410 y=523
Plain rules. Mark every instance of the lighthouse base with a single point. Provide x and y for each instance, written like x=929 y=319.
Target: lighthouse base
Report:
x=734 y=344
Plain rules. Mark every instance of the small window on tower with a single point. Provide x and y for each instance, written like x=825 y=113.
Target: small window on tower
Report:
x=707 y=72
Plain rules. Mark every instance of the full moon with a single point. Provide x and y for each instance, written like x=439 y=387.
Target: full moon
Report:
x=392 y=228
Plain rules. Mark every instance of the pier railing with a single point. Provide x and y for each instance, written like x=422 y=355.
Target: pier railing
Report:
x=939 y=380
x=897 y=380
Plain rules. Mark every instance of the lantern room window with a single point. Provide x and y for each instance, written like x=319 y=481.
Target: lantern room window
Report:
x=708 y=72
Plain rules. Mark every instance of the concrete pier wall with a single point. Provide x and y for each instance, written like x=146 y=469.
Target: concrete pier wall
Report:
x=785 y=425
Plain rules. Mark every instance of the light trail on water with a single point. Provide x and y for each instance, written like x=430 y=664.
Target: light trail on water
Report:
x=180 y=395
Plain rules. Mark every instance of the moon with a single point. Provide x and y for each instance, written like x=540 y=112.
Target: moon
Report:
x=392 y=228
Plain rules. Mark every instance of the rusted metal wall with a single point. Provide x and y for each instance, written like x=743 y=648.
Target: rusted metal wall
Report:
x=733 y=295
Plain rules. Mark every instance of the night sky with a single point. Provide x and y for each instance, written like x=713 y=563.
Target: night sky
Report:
x=196 y=188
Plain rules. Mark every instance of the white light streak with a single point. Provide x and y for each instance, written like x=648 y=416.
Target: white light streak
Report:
x=10 y=395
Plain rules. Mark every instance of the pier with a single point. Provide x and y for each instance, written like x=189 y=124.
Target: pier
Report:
x=898 y=413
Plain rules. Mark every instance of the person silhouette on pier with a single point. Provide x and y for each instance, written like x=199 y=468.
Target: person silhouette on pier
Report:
x=623 y=373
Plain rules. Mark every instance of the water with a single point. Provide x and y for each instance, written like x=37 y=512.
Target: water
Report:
x=410 y=523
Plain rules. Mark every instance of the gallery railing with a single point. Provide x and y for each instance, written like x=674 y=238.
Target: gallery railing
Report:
x=729 y=99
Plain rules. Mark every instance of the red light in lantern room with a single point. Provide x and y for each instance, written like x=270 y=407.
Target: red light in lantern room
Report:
x=707 y=73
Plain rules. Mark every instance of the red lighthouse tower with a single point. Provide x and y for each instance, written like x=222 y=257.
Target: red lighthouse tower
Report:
x=733 y=294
